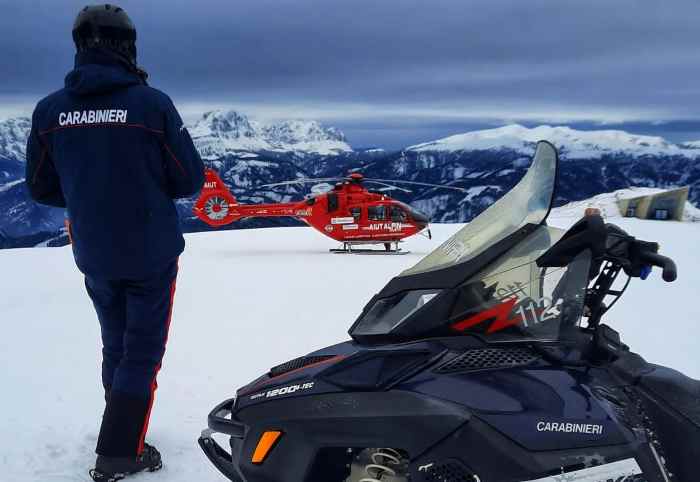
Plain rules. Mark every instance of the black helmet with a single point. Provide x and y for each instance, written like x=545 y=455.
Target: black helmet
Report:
x=105 y=26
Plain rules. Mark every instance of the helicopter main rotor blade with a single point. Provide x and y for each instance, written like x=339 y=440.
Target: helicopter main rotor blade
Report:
x=415 y=183
x=302 y=181
x=390 y=186
x=390 y=183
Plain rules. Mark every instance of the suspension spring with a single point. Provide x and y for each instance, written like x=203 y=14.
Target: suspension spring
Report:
x=382 y=462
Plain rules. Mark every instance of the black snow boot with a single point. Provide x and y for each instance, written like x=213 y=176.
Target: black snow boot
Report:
x=111 y=469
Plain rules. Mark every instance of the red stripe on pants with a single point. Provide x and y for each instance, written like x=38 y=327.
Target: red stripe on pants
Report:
x=154 y=382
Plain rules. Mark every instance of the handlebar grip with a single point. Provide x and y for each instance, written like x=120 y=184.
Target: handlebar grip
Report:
x=667 y=264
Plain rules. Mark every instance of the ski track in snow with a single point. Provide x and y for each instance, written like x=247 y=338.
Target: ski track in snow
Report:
x=246 y=300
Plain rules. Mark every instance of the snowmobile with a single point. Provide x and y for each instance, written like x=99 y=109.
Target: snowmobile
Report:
x=488 y=361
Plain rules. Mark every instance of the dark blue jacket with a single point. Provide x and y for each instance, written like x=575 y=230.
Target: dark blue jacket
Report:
x=115 y=153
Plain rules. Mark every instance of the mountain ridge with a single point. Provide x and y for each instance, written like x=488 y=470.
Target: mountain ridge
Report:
x=249 y=154
x=221 y=132
x=574 y=144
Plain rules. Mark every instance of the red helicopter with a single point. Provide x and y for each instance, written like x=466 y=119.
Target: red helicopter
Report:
x=348 y=213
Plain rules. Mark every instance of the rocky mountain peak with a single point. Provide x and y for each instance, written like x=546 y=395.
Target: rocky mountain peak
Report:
x=13 y=137
x=295 y=131
x=222 y=132
x=220 y=123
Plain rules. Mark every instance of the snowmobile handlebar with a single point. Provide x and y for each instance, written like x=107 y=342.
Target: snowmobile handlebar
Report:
x=608 y=243
x=666 y=264
x=635 y=256
x=612 y=250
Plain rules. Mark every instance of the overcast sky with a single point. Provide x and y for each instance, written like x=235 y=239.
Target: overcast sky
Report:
x=393 y=72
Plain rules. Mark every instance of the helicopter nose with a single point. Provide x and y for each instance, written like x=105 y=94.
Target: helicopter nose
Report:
x=420 y=219
x=424 y=227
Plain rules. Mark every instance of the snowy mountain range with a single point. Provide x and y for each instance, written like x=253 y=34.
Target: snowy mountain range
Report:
x=486 y=163
x=221 y=133
x=574 y=144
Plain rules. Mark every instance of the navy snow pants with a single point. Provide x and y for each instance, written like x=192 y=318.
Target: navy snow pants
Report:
x=135 y=318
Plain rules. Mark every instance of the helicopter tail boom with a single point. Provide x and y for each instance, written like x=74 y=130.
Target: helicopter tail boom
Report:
x=217 y=206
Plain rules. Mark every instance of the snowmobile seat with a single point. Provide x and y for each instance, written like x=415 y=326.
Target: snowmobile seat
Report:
x=661 y=384
x=672 y=400
x=680 y=392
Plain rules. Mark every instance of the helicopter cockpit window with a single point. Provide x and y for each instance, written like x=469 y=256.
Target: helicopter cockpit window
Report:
x=398 y=215
x=356 y=212
x=376 y=213
x=418 y=216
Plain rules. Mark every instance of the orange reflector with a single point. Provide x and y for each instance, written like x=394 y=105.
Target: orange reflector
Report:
x=265 y=445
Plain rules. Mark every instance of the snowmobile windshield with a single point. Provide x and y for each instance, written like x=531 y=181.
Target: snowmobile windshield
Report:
x=512 y=299
x=527 y=203
x=484 y=280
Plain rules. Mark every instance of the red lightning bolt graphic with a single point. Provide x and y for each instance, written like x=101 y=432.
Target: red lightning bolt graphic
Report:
x=500 y=313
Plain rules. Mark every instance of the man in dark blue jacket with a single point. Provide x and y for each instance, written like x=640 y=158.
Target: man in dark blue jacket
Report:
x=115 y=153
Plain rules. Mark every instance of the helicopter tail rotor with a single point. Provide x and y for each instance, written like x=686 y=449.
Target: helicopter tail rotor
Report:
x=216 y=204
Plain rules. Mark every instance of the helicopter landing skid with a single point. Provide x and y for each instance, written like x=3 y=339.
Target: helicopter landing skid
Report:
x=349 y=248
x=369 y=251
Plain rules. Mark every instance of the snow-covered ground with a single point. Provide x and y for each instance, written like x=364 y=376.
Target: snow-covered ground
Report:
x=246 y=300
x=606 y=203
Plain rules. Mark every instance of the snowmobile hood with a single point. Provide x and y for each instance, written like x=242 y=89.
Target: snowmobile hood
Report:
x=99 y=72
